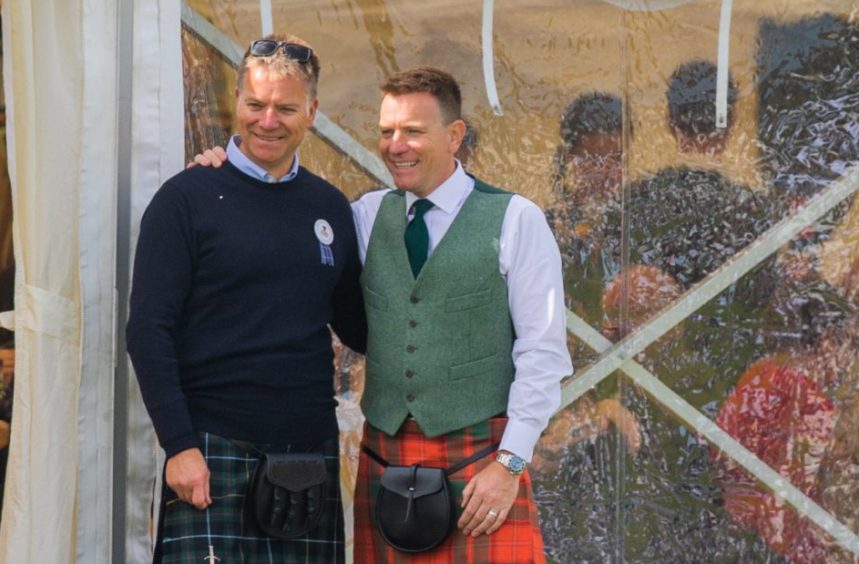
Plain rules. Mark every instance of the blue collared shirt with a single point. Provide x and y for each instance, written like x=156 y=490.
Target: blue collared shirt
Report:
x=244 y=164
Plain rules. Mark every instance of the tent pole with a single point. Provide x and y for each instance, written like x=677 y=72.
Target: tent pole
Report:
x=123 y=274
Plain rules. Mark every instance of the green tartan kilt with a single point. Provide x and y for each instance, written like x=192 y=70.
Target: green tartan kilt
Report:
x=225 y=531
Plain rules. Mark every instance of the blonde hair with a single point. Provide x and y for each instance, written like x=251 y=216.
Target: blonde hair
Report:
x=281 y=65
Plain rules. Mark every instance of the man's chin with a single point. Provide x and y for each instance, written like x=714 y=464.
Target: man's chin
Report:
x=402 y=183
x=269 y=151
x=399 y=183
x=267 y=158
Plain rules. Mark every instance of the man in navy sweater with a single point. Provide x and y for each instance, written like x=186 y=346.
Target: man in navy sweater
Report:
x=238 y=273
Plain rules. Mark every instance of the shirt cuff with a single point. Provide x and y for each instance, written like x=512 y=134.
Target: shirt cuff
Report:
x=520 y=438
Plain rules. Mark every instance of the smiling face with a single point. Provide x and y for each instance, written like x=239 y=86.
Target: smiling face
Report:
x=596 y=161
x=417 y=146
x=273 y=114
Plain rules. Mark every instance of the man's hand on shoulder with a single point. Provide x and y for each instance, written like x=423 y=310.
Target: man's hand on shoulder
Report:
x=213 y=157
x=487 y=500
x=188 y=475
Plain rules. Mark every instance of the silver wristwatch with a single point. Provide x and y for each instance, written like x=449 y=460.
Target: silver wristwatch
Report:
x=514 y=464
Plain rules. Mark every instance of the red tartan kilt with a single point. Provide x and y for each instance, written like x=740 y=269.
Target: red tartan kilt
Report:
x=518 y=541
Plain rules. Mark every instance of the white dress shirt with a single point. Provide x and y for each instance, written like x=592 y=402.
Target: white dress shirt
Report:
x=530 y=263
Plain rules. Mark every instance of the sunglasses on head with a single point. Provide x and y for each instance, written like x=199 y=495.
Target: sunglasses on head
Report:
x=268 y=47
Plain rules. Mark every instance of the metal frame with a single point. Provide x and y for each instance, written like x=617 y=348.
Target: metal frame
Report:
x=486 y=40
x=125 y=37
x=723 y=65
x=620 y=356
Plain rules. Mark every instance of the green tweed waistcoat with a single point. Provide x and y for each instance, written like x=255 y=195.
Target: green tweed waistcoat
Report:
x=440 y=346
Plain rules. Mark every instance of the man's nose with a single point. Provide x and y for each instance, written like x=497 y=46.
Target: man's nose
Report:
x=398 y=144
x=269 y=119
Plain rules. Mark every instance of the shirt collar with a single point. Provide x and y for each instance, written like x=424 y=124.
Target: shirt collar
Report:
x=450 y=193
x=247 y=166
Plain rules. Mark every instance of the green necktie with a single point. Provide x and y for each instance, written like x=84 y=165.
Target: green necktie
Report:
x=417 y=236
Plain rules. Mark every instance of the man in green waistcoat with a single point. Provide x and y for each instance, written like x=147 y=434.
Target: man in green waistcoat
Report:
x=467 y=342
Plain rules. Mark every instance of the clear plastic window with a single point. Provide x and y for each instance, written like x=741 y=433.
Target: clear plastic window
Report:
x=697 y=168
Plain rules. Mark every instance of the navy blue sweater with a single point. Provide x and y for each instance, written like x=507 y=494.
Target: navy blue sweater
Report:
x=230 y=304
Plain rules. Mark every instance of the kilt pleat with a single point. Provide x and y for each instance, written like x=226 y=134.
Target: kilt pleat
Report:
x=224 y=531
x=518 y=541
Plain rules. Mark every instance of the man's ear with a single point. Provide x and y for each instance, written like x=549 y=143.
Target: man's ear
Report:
x=456 y=130
x=311 y=110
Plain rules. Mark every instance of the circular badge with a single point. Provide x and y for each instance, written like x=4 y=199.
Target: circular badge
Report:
x=323 y=231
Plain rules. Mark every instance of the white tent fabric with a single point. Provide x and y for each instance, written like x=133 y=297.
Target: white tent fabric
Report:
x=62 y=106
x=50 y=105
x=157 y=153
x=96 y=190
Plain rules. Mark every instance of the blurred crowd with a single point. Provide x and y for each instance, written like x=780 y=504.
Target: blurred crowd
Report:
x=773 y=359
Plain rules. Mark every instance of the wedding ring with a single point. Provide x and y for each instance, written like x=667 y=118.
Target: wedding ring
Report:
x=492 y=513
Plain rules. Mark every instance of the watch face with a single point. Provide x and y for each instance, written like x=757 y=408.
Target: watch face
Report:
x=513 y=463
x=516 y=464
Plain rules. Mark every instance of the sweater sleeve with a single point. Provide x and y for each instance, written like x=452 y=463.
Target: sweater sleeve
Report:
x=350 y=321
x=162 y=276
